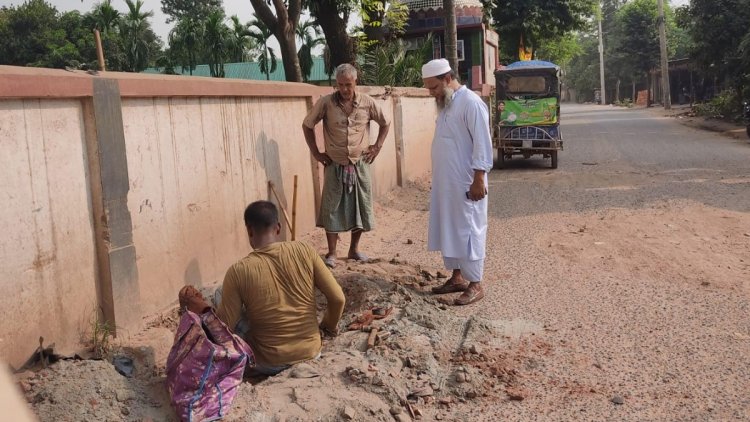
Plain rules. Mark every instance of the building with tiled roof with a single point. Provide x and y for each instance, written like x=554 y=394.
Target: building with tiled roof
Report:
x=477 y=42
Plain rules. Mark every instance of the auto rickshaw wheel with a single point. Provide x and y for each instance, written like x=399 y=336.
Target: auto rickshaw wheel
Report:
x=500 y=159
x=553 y=155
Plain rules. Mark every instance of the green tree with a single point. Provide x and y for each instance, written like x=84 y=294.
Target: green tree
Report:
x=185 y=43
x=582 y=73
x=241 y=43
x=189 y=9
x=216 y=42
x=536 y=21
x=561 y=50
x=29 y=34
x=389 y=64
x=36 y=34
x=104 y=17
x=383 y=20
x=719 y=33
x=636 y=38
x=267 y=58
x=309 y=35
x=137 y=36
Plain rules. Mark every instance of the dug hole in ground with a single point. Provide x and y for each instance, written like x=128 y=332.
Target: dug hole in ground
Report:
x=615 y=314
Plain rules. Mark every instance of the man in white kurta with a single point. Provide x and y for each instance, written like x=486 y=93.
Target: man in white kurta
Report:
x=461 y=159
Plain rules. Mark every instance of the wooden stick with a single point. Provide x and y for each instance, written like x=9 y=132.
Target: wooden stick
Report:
x=99 y=50
x=294 y=209
x=286 y=216
x=41 y=352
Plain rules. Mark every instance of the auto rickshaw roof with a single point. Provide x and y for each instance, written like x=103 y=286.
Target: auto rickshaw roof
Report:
x=530 y=66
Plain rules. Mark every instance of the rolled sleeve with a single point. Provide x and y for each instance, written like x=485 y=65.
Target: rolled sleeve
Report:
x=478 y=123
x=326 y=283
x=377 y=114
x=316 y=114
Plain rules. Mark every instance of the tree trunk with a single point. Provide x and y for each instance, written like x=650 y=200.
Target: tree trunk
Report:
x=339 y=43
x=283 y=25
x=451 y=35
x=634 y=93
x=617 y=90
x=288 y=46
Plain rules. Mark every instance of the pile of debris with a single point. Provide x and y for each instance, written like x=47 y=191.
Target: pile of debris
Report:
x=402 y=355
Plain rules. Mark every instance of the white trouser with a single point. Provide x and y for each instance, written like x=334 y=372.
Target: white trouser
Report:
x=470 y=270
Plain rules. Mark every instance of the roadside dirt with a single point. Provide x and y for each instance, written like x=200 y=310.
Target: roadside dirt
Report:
x=687 y=117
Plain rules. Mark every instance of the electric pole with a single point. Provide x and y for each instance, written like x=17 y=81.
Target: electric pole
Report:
x=450 y=34
x=601 y=59
x=665 y=94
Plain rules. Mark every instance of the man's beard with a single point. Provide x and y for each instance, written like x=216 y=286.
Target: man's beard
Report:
x=446 y=99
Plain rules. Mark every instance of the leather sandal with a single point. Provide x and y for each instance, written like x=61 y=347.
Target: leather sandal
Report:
x=450 y=287
x=469 y=296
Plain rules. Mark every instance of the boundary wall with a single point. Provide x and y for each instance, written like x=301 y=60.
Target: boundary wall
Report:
x=120 y=188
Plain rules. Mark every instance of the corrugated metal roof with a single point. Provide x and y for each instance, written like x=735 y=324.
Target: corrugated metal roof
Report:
x=251 y=70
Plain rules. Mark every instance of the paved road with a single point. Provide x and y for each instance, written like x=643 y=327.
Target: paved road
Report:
x=625 y=158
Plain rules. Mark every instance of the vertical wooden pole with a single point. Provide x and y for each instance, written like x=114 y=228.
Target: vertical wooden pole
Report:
x=99 y=50
x=294 y=209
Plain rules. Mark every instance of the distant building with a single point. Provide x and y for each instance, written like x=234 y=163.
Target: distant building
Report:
x=251 y=70
x=477 y=43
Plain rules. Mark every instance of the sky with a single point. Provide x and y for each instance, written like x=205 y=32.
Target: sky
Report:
x=241 y=8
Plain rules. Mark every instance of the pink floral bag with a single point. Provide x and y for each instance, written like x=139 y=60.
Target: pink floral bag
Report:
x=205 y=367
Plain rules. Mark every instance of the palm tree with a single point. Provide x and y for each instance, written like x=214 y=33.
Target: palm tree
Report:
x=216 y=38
x=241 y=42
x=184 y=43
x=390 y=64
x=134 y=27
x=267 y=59
x=105 y=17
x=308 y=43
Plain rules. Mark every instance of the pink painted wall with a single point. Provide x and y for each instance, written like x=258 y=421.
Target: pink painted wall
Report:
x=48 y=272
x=198 y=151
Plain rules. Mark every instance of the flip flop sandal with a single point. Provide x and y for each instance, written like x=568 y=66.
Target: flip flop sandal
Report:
x=468 y=297
x=330 y=261
x=450 y=287
x=359 y=257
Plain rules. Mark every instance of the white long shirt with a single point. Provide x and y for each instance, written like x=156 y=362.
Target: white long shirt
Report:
x=462 y=144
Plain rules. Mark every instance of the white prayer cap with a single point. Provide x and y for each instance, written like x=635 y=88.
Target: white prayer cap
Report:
x=435 y=67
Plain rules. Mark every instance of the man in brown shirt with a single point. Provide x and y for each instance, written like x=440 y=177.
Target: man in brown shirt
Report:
x=346 y=203
x=271 y=293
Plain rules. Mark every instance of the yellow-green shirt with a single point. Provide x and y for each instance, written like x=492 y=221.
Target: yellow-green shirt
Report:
x=276 y=284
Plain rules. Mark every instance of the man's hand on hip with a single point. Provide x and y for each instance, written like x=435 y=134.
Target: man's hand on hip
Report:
x=371 y=153
x=323 y=158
